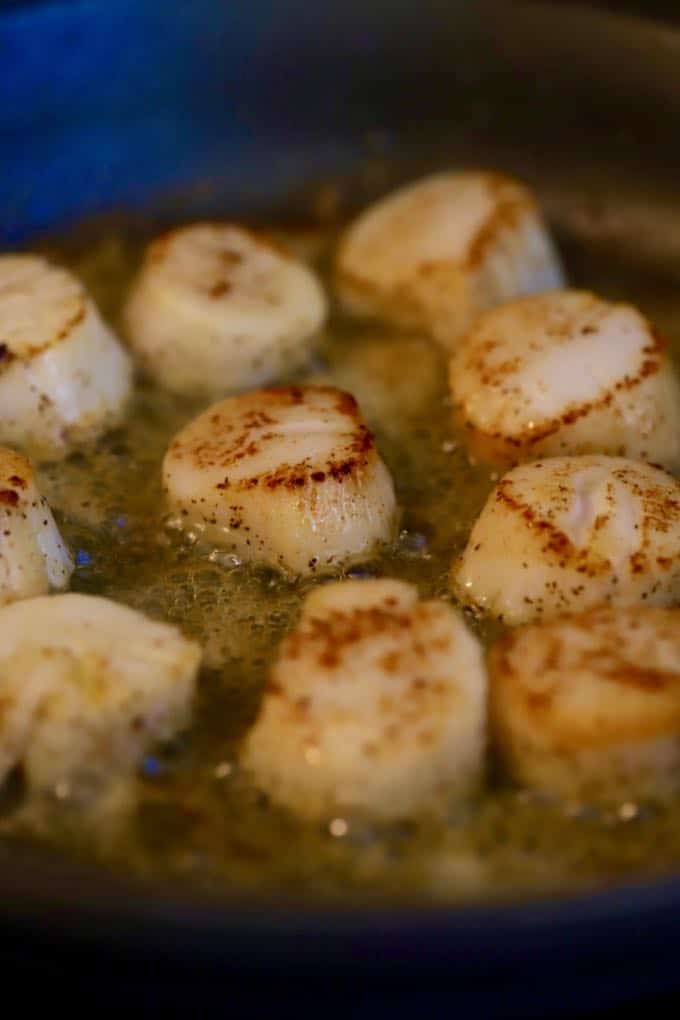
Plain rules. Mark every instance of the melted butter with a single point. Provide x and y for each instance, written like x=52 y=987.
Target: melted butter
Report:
x=190 y=816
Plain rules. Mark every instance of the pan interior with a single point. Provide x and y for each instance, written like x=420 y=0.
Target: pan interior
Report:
x=189 y=816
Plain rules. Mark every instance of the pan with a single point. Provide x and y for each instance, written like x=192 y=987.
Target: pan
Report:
x=268 y=108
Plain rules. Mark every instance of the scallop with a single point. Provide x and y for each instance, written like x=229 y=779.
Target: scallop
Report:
x=64 y=377
x=375 y=706
x=564 y=373
x=588 y=706
x=436 y=253
x=86 y=686
x=217 y=308
x=288 y=477
x=33 y=556
x=565 y=534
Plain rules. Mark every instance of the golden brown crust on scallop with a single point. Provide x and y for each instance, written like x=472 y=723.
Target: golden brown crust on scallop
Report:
x=66 y=308
x=565 y=372
x=562 y=534
x=376 y=704
x=440 y=250
x=288 y=476
x=231 y=442
x=514 y=201
x=16 y=471
x=623 y=690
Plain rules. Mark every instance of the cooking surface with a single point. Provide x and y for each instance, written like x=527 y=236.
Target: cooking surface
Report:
x=190 y=816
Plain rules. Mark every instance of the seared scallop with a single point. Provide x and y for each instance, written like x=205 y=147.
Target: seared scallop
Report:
x=436 y=253
x=589 y=705
x=64 y=377
x=565 y=534
x=217 y=308
x=567 y=372
x=286 y=477
x=376 y=705
x=33 y=556
x=85 y=686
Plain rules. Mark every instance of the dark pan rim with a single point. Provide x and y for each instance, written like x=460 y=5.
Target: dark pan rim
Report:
x=63 y=904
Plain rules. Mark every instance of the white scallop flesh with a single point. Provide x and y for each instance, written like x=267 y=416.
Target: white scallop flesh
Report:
x=375 y=706
x=86 y=686
x=565 y=534
x=64 y=377
x=33 y=556
x=588 y=706
x=287 y=477
x=567 y=372
x=216 y=309
x=438 y=252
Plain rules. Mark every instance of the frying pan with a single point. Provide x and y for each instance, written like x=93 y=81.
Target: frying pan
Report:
x=259 y=108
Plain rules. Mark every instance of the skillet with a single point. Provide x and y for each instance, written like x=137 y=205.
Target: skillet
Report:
x=189 y=108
